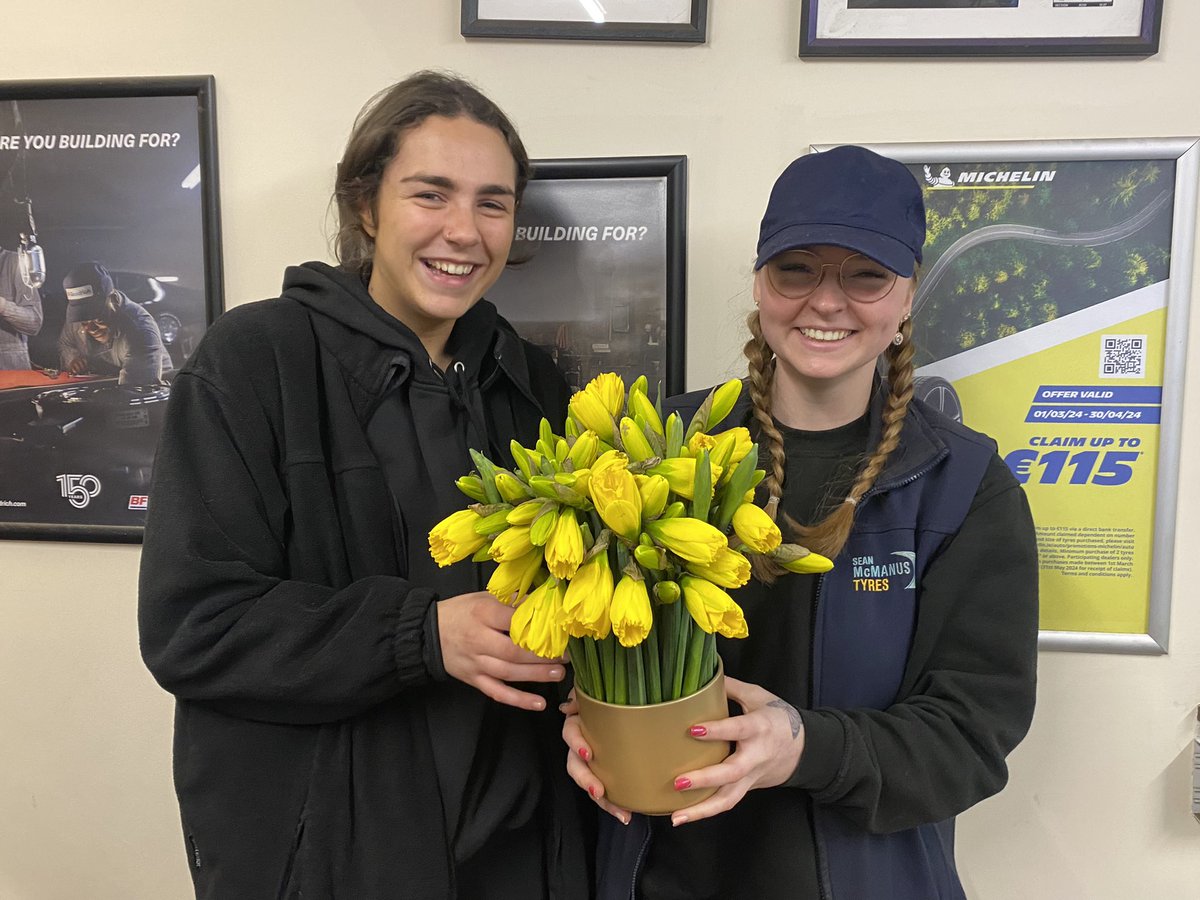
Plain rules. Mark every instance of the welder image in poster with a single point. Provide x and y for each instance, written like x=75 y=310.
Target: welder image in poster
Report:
x=108 y=216
x=1046 y=316
x=599 y=285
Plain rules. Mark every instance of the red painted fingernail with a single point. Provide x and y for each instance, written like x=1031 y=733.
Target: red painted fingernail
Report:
x=682 y=784
x=592 y=791
x=585 y=754
x=697 y=731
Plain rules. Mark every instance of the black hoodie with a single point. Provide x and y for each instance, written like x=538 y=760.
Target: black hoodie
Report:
x=286 y=600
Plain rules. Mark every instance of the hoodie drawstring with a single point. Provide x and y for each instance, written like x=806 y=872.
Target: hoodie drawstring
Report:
x=470 y=402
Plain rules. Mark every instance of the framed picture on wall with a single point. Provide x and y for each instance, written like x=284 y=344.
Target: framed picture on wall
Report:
x=600 y=278
x=110 y=272
x=682 y=21
x=1052 y=314
x=979 y=27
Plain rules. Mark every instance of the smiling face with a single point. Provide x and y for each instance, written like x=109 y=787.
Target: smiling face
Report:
x=442 y=224
x=826 y=345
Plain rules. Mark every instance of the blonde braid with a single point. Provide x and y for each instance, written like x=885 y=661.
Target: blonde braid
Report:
x=761 y=375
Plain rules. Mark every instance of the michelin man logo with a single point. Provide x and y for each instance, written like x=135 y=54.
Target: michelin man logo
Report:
x=942 y=179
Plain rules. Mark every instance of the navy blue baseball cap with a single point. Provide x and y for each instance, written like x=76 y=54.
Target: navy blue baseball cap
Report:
x=87 y=287
x=846 y=197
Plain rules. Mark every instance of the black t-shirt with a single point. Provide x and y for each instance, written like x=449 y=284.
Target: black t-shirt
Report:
x=764 y=847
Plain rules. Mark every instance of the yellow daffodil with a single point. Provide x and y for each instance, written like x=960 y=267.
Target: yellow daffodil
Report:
x=543 y=525
x=588 y=596
x=511 y=580
x=701 y=441
x=680 y=473
x=615 y=494
x=636 y=446
x=564 y=548
x=455 y=538
x=756 y=529
x=631 y=614
x=511 y=488
x=608 y=459
x=597 y=404
x=535 y=624
x=741 y=443
x=798 y=559
x=640 y=405
x=525 y=513
x=729 y=570
x=712 y=608
x=655 y=491
x=512 y=543
x=687 y=538
x=583 y=452
x=723 y=399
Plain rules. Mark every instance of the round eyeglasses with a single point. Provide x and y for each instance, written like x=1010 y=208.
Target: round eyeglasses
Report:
x=797 y=273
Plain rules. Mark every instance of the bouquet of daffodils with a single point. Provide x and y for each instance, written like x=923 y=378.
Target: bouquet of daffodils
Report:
x=618 y=540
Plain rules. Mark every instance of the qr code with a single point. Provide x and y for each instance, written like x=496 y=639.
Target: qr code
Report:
x=1123 y=356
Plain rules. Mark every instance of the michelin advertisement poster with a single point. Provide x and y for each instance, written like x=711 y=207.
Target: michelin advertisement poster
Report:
x=1043 y=318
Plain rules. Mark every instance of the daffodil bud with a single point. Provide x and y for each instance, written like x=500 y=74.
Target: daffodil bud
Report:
x=493 y=523
x=653 y=558
x=472 y=486
x=666 y=591
x=635 y=443
x=654 y=490
x=689 y=539
x=543 y=525
x=640 y=406
x=723 y=399
x=525 y=513
x=521 y=457
x=799 y=559
x=511 y=488
x=512 y=543
x=511 y=580
x=680 y=473
x=583 y=452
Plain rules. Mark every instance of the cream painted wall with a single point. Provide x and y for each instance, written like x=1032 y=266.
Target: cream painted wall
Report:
x=1098 y=805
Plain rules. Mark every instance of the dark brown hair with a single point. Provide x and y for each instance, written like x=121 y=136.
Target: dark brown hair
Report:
x=375 y=140
x=828 y=536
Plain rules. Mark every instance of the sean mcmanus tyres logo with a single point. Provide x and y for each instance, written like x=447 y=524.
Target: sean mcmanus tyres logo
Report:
x=873 y=575
x=79 y=489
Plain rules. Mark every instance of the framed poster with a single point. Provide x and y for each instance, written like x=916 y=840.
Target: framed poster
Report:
x=683 y=21
x=979 y=27
x=600 y=278
x=1051 y=313
x=110 y=272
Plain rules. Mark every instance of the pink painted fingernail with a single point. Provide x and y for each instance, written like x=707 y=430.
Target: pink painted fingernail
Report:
x=682 y=784
x=592 y=791
x=585 y=754
x=697 y=731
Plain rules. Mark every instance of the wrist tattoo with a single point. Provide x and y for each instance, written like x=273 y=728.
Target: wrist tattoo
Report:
x=793 y=716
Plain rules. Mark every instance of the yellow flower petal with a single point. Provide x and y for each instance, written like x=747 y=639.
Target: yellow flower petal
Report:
x=535 y=624
x=631 y=614
x=712 y=608
x=755 y=528
x=615 y=495
x=729 y=570
x=564 y=548
x=587 y=600
x=688 y=538
x=511 y=580
x=454 y=537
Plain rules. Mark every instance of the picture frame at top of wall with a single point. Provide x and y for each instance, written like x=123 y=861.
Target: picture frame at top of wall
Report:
x=669 y=21
x=979 y=27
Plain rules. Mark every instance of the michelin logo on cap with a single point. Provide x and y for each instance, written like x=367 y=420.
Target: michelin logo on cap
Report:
x=80 y=293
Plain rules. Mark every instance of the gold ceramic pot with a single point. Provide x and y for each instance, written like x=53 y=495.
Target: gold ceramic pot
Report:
x=638 y=751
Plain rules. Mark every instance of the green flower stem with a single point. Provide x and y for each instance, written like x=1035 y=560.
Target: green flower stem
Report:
x=682 y=636
x=637 y=677
x=608 y=662
x=593 y=665
x=651 y=666
x=620 y=695
x=579 y=666
x=668 y=625
x=695 y=654
x=709 y=666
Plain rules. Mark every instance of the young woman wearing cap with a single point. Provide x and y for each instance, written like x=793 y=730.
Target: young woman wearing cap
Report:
x=880 y=699
x=347 y=723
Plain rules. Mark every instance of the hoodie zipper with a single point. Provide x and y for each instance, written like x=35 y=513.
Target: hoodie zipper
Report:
x=637 y=864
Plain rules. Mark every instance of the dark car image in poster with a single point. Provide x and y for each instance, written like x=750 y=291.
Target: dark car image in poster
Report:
x=599 y=279
x=108 y=207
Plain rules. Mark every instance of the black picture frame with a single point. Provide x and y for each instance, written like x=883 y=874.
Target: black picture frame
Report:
x=694 y=31
x=600 y=278
x=1140 y=43
x=123 y=172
